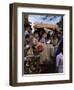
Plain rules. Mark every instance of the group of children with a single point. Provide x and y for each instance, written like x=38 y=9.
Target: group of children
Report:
x=43 y=51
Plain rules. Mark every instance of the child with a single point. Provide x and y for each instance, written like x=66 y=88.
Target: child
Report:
x=59 y=60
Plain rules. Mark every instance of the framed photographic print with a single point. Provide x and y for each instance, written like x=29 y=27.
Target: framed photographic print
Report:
x=40 y=44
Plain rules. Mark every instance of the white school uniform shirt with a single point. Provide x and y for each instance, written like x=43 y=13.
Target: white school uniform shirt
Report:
x=59 y=62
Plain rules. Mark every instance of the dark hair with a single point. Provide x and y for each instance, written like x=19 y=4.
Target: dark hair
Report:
x=61 y=47
x=27 y=36
x=25 y=26
x=48 y=35
x=36 y=31
x=41 y=31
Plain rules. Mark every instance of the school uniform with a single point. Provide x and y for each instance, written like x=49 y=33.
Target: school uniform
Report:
x=59 y=62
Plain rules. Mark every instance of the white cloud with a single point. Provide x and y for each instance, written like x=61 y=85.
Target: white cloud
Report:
x=44 y=19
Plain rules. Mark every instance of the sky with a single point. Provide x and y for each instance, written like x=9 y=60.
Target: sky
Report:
x=47 y=19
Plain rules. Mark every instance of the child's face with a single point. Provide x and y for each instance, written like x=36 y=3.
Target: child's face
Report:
x=36 y=36
x=27 y=39
x=28 y=29
x=31 y=36
x=45 y=35
x=35 y=41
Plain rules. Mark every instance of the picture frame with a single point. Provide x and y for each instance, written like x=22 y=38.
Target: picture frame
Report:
x=16 y=44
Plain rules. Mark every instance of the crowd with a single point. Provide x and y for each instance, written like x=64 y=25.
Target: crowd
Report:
x=43 y=51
